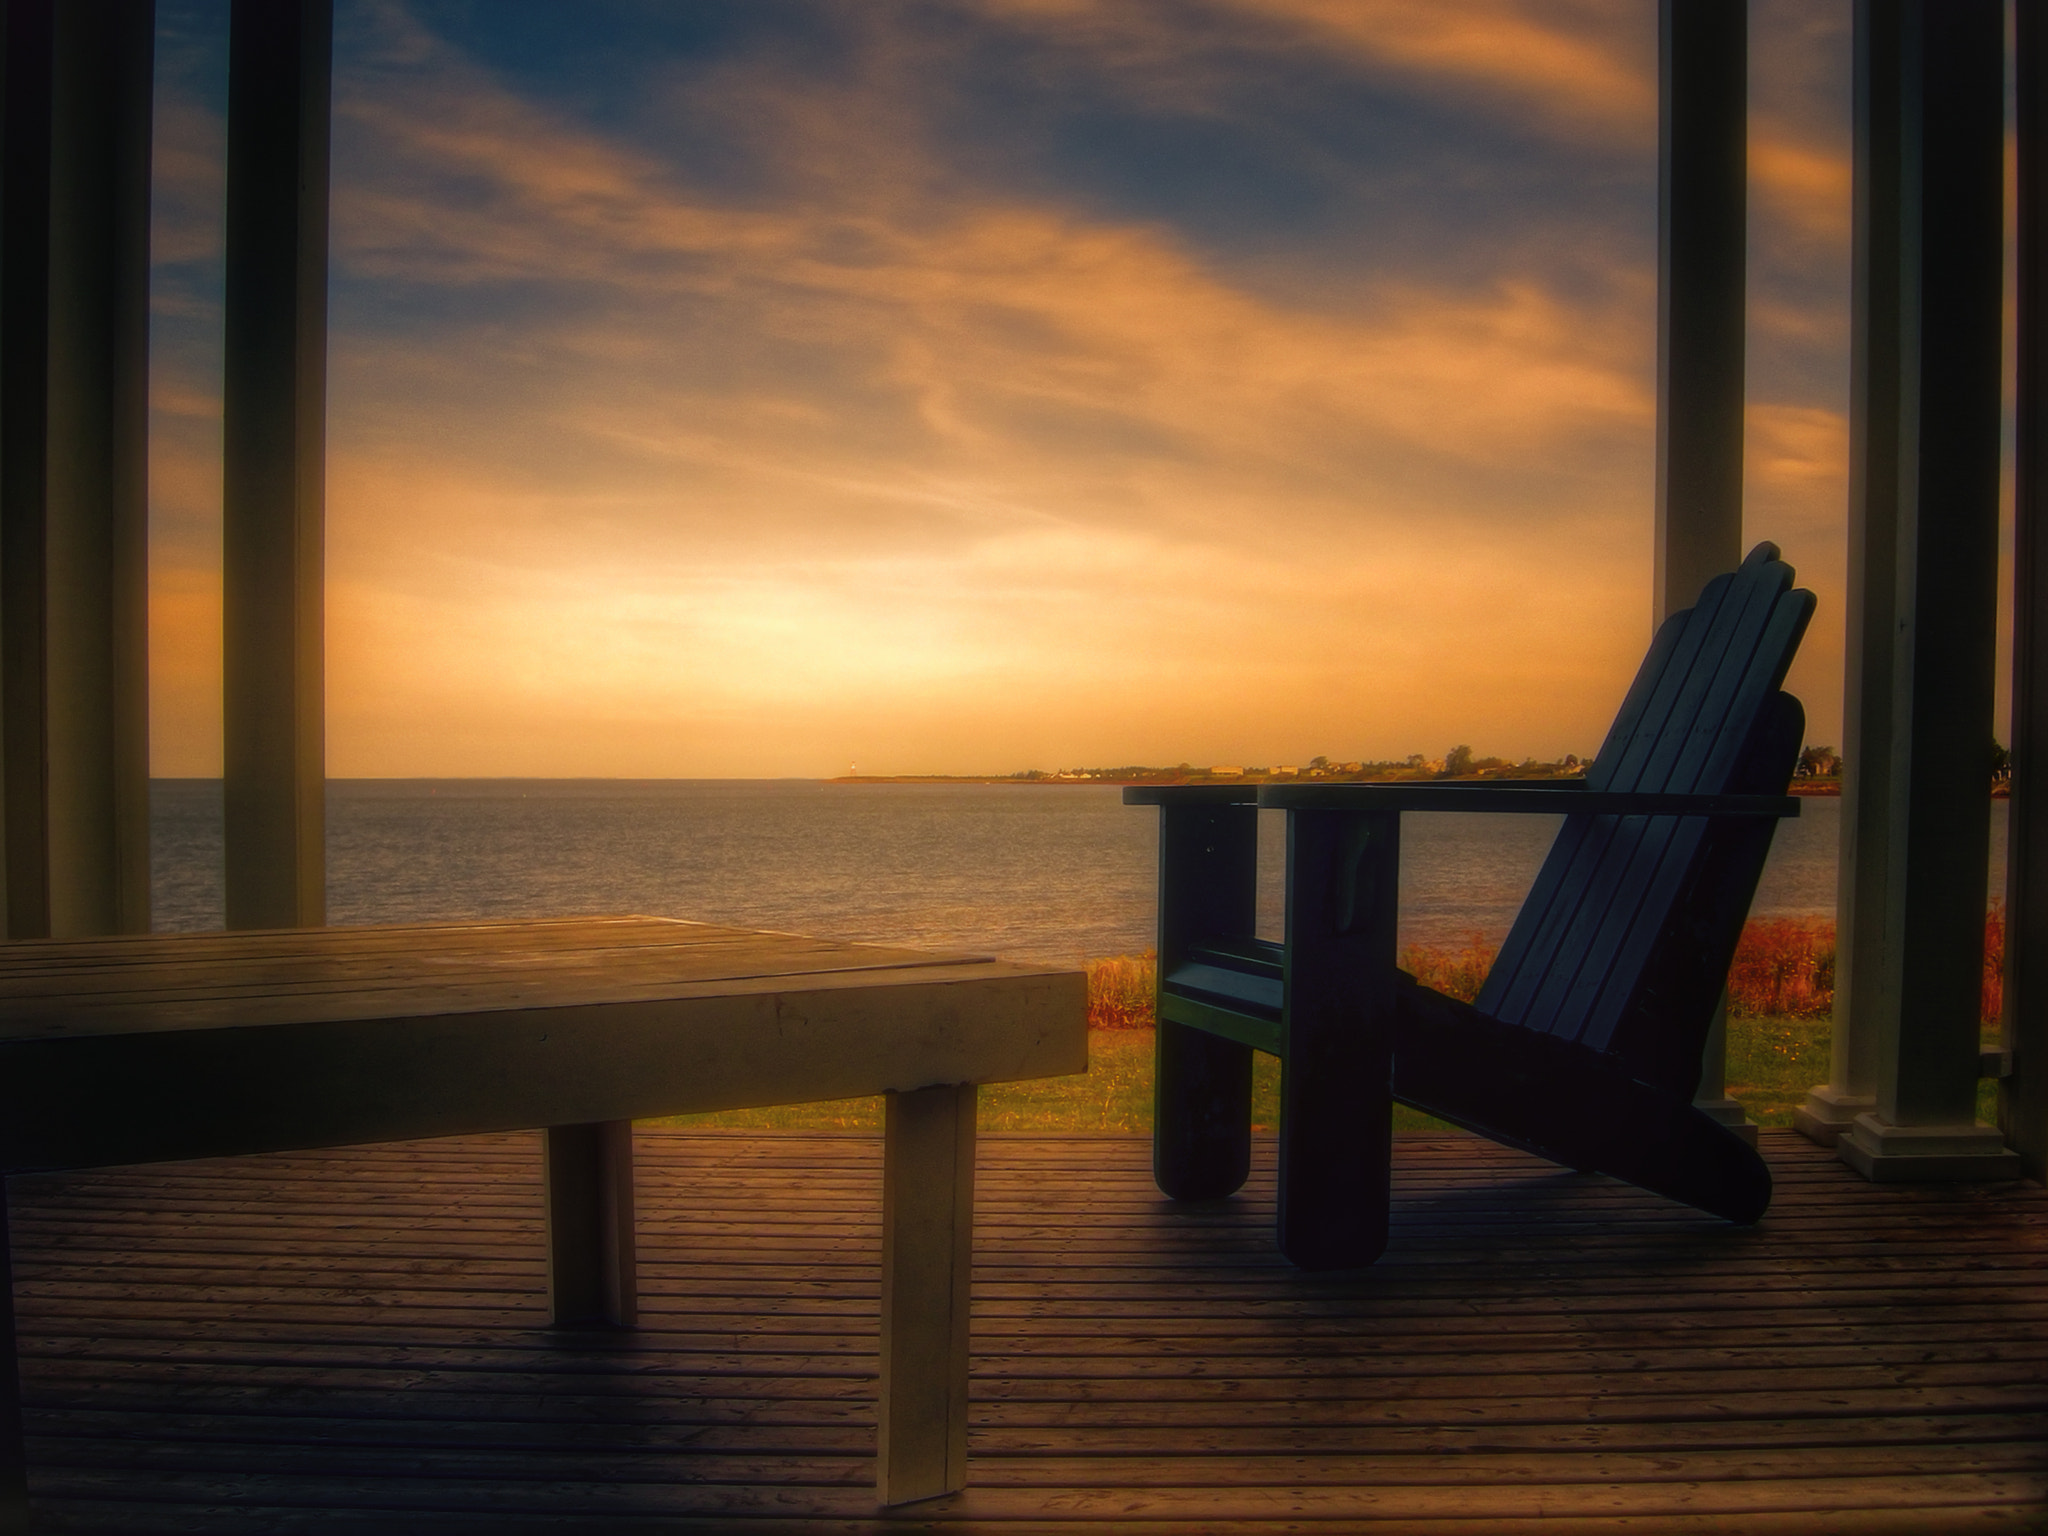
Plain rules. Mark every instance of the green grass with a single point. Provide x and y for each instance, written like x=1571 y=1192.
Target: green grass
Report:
x=1771 y=1065
x=1114 y=1094
x=1773 y=1062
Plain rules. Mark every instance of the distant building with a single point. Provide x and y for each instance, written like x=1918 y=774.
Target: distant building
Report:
x=1222 y=772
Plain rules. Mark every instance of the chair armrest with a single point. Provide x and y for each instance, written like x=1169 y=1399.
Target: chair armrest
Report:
x=1191 y=794
x=1516 y=798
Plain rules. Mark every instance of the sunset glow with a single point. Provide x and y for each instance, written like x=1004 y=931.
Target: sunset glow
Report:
x=759 y=388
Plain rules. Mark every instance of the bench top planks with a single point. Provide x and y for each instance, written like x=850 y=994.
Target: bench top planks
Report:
x=52 y=989
x=169 y=1046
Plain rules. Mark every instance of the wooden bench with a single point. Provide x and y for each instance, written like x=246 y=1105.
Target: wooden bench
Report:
x=136 y=1050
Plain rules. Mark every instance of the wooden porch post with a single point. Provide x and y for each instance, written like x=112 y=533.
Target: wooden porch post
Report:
x=1702 y=189
x=1950 y=288
x=1866 y=984
x=74 y=584
x=24 y=450
x=74 y=502
x=280 y=64
x=2023 y=1095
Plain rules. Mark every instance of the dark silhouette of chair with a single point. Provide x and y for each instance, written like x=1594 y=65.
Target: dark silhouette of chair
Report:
x=1585 y=1043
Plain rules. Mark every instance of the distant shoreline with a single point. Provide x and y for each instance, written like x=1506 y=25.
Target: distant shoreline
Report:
x=1822 y=788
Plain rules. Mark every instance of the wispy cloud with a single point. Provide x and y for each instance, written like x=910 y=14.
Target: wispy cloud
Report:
x=797 y=407
x=1586 y=68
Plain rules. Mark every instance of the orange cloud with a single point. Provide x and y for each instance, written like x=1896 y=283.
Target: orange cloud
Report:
x=1802 y=183
x=184 y=671
x=188 y=173
x=881 y=462
x=1583 y=67
x=985 y=308
x=967 y=457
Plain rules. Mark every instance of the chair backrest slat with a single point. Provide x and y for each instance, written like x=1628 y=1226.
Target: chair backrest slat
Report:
x=1695 y=629
x=1568 y=853
x=1603 y=902
x=1642 y=867
x=1629 y=719
x=1553 y=937
x=1648 y=922
x=1713 y=705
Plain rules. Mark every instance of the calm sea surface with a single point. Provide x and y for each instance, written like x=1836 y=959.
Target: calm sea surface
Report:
x=1035 y=872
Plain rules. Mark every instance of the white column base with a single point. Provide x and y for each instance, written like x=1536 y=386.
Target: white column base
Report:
x=1895 y=1154
x=1829 y=1112
x=1728 y=1113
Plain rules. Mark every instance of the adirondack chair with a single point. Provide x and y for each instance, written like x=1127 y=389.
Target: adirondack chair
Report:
x=1584 y=1044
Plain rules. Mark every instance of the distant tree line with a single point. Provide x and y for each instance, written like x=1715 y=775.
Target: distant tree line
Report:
x=1815 y=762
x=1818 y=763
x=1826 y=763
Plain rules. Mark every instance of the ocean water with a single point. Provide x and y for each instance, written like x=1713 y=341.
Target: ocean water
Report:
x=1054 y=873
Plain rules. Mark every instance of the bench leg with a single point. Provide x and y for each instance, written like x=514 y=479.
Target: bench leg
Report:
x=927 y=1263
x=13 y=1458
x=591 y=1278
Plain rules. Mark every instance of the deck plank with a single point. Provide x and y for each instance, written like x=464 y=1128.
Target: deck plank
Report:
x=351 y=1340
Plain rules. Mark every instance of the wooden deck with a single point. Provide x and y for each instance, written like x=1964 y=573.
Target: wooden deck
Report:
x=354 y=1341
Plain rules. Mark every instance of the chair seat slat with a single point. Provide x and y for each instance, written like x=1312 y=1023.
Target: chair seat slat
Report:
x=1227 y=986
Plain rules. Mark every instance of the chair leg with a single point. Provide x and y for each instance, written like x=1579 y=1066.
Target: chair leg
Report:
x=1202 y=1085
x=927 y=1266
x=591 y=1272
x=1336 y=1104
x=1201 y=1113
x=13 y=1455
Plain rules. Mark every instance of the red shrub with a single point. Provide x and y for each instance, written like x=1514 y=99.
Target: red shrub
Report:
x=1120 y=991
x=1994 y=964
x=1784 y=968
x=1456 y=973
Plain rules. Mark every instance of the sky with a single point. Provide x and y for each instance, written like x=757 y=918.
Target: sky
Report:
x=769 y=387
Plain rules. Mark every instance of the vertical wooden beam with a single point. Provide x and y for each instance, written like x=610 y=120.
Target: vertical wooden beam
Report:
x=1202 y=1083
x=1866 y=982
x=24 y=446
x=593 y=1277
x=24 y=381
x=97 y=549
x=1336 y=1082
x=927 y=1272
x=280 y=55
x=1702 y=253
x=74 y=585
x=13 y=1455
x=75 y=95
x=1951 y=251
x=2023 y=1096
x=1702 y=230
